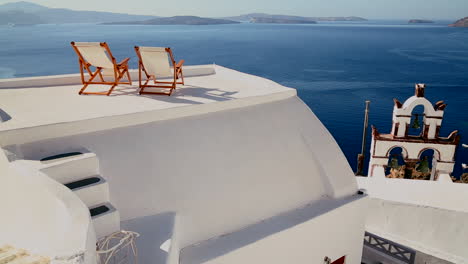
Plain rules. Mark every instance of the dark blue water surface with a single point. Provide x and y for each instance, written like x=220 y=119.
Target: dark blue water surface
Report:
x=334 y=67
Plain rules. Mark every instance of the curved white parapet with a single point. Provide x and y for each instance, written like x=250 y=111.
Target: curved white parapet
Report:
x=42 y=216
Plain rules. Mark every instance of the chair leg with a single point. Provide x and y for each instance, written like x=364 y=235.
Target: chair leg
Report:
x=82 y=89
x=98 y=71
x=117 y=81
x=173 y=88
x=111 y=89
x=181 y=76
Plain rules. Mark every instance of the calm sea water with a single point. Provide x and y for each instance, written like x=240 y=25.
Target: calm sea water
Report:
x=335 y=67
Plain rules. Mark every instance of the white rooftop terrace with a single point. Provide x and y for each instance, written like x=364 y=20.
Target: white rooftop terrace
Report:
x=39 y=102
x=229 y=168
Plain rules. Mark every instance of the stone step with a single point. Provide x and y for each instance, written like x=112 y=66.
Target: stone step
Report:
x=91 y=190
x=106 y=219
x=69 y=167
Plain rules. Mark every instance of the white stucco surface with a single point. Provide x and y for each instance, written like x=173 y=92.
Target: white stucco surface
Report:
x=428 y=216
x=237 y=166
x=42 y=216
x=433 y=231
x=438 y=194
x=61 y=106
x=298 y=236
x=227 y=151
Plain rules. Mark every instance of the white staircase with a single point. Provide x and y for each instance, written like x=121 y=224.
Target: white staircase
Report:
x=80 y=173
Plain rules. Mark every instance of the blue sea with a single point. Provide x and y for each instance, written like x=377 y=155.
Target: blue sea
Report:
x=334 y=66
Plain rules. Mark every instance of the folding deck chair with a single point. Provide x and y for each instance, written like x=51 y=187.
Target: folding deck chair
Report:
x=154 y=62
x=93 y=54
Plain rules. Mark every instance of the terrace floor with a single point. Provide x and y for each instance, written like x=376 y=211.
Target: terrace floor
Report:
x=54 y=100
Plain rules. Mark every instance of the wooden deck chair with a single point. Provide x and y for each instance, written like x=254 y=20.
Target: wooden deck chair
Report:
x=93 y=54
x=154 y=62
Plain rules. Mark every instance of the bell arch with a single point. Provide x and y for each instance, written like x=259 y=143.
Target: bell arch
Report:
x=429 y=119
x=433 y=160
x=404 y=151
x=396 y=162
x=417 y=121
x=414 y=102
x=436 y=153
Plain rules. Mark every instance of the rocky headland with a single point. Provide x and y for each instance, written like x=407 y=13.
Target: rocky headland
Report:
x=460 y=23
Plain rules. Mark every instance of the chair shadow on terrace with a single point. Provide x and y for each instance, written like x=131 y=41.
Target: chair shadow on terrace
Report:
x=182 y=94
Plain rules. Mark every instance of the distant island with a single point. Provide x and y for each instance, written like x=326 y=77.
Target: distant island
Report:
x=177 y=20
x=420 y=21
x=460 y=23
x=266 y=20
x=27 y=13
x=249 y=17
x=15 y=17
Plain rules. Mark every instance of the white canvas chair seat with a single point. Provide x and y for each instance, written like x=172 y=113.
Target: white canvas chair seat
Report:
x=98 y=55
x=95 y=54
x=158 y=63
x=108 y=71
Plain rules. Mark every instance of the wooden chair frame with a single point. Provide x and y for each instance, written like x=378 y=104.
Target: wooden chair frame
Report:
x=120 y=69
x=178 y=73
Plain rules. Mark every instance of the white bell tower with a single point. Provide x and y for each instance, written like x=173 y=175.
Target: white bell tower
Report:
x=413 y=146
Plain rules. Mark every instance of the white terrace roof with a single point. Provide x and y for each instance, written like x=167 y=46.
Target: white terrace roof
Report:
x=42 y=102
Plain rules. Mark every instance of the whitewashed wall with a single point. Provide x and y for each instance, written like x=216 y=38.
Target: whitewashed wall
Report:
x=438 y=232
x=446 y=195
x=429 y=216
x=220 y=171
x=305 y=235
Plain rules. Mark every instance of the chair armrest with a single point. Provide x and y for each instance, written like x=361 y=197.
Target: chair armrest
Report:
x=124 y=61
x=179 y=64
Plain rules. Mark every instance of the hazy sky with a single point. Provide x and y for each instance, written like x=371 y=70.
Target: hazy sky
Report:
x=385 y=9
